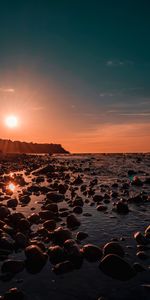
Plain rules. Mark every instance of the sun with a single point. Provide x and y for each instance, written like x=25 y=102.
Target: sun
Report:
x=11 y=121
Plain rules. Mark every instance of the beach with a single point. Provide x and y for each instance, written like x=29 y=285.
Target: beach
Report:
x=92 y=200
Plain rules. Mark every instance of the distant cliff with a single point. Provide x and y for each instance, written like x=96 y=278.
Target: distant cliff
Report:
x=8 y=146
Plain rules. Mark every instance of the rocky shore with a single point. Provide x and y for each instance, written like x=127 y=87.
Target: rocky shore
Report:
x=75 y=216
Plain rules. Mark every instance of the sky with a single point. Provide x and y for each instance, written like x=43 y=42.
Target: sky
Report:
x=76 y=73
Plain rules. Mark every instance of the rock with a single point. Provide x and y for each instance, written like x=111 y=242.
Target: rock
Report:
x=87 y=215
x=98 y=198
x=63 y=267
x=2 y=224
x=4 y=212
x=34 y=218
x=131 y=172
x=136 y=181
x=62 y=188
x=47 y=215
x=72 y=221
x=81 y=235
x=21 y=240
x=142 y=255
x=12 y=203
x=78 y=210
x=78 y=202
x=114 y=266
x=122 y=207
x=15 y=218
x=6 y=244
x=147 y=232
x=78 y=181
x=53 y=207
x=101 y=207
x=143 y=247
x=91 y=252
x=113 y=248
x=39 y=244
x=63 y=214
x=138 y=267
x=60 y=235
x=13 y=294
x=49 y=225
x=36 y=259
x=8 y=229
x=56 y=254
x=44 y=170
x=25 y=199
x=140 y=239
x=23 y=225
x=73 y=253
x=55 y=197
x=83 y=188
x=12 y=266
x=147 y=180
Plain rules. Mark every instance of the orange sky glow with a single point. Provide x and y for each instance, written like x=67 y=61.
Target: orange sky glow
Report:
x=46 y=113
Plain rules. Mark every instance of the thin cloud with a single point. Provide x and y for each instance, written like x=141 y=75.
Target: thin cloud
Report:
x=118 y=63
x=7 y=90
x=115 y=63
x=106 y=95
x=135 y=114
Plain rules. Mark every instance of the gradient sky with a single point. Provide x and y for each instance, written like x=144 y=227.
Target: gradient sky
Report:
x=76 y=72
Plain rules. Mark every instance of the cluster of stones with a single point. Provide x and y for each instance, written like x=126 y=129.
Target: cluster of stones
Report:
x=53 y=239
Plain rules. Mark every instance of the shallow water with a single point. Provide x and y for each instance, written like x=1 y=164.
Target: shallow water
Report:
x=89 y=282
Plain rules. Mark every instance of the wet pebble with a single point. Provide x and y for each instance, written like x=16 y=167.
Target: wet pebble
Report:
x=91 y=252
x=116 y=267
x=72 y=221
x=113 y=248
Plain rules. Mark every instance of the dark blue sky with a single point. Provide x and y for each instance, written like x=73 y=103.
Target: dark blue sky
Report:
x=97 y=53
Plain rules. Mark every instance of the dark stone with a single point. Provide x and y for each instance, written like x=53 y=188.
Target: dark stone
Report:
x=63 y=267
x=72 y=221
x=73 y=253
x=55 y=197
x=91 y=252
x=147 y=232
x=98 y=198
x=78 y=210
x=142 y=255
x=78 y=202
x=14 y=294
x=56 y=254
x=23 y=225
x=138 y=267
x=122 y=207
x=21 y=240
x=113 y=248
x=34 y=218
x=101 y=207
x=140 y=239
x=116 y=267
x=60 y=235
x=78 y=181
x=49 y=225
x=12 y=266
x=12 y=203
x=4 y=212
x=36 y=259
x=81 y=235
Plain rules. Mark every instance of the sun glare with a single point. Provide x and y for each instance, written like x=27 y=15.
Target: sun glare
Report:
x=11 y=187
x=11 y=121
